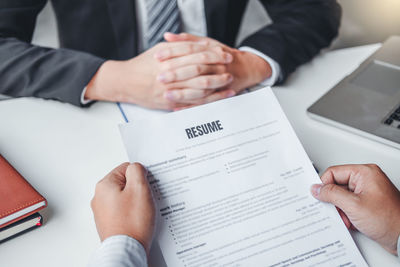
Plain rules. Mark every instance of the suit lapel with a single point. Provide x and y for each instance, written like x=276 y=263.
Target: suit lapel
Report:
x=216 y=18
x=123 y=19
x=224 y=18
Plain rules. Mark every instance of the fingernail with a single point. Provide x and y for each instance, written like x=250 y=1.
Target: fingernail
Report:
x=160 y=55
x=230 y=78
x=162 y=78
x=171 y=95
x=316 y=189
x=228 y=58
x=231 y=93
x=204 y=42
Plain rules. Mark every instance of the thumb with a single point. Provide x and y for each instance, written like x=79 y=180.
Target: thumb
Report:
x=136 y=177
x=334 y=194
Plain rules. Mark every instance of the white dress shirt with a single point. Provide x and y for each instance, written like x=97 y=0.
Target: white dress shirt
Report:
x=119 y=251
x=193 y=19
x=398 y=248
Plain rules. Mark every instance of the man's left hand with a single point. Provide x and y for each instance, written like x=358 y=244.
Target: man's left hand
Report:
x=246 y=69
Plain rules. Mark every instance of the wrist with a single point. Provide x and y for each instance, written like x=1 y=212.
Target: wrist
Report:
x=107 y=83
x=96 y=87
x=255 y=68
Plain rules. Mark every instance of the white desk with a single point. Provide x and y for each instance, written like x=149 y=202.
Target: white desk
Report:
x=63 y=151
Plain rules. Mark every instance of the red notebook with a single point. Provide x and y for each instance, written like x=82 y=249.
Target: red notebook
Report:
x=18 y=199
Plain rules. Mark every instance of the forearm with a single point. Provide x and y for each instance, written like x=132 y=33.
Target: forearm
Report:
x=119 y=251
x=60 y=74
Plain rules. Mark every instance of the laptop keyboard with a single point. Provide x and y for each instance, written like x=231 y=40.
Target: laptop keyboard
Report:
x=393 y=119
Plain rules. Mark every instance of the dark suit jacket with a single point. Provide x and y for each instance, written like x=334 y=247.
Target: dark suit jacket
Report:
x=92 y=31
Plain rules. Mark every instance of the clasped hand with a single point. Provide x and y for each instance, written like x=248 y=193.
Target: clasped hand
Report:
x=186 y=70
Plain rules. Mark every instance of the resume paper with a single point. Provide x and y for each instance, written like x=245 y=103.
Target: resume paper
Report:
x=232 y=183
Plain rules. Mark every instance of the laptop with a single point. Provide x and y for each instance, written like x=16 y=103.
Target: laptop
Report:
x=367 y=102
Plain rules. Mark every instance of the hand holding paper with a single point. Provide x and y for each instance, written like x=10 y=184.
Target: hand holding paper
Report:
x=240 y=195
x=369 y=201
x=123 y=205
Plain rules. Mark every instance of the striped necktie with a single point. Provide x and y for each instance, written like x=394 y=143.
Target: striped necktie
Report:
x=162 y=16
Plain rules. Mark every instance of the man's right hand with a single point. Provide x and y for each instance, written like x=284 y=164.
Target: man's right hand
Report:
x=141 y=80
x=367 y=200
x=123 y=205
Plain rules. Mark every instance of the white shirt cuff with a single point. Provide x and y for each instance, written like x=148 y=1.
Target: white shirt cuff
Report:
x=275 y=67
x=83 y=100
x=119 y=251
x=398 y=247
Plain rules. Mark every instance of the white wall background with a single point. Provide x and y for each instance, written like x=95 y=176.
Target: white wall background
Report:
x=368 y=21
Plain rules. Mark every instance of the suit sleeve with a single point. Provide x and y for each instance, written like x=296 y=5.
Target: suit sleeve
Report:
x=27 y=70
x=300 y=29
